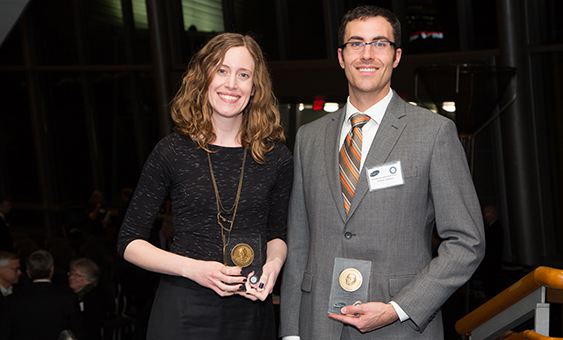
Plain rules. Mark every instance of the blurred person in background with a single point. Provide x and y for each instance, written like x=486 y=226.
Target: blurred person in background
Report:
x=9 y=273
x=95 y=304
x=6 y=241
x=40 y=310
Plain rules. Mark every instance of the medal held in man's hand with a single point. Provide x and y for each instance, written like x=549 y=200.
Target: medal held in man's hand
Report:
x=350 y=283
x=245 y=251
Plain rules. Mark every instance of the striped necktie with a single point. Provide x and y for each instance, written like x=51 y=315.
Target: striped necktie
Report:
x=351 y=157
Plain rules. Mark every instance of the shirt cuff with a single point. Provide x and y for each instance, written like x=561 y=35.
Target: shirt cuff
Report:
x=400 y=312
x=291 y=337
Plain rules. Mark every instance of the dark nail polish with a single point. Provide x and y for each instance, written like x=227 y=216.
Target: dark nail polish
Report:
x=261 y=285
x=244 y=280
x=241 y=287
x=241 y=272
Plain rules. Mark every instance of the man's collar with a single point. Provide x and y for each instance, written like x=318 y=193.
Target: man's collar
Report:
x=375 y=112
x=41 y=280
x=6 y=291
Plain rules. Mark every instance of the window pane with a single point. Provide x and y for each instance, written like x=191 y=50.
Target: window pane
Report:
x=205 y=15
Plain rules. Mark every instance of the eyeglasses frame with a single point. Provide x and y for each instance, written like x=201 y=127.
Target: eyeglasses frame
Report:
x=394 y=45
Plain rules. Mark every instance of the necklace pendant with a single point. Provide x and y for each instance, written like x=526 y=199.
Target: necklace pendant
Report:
x=224 y=219
x=226 y=232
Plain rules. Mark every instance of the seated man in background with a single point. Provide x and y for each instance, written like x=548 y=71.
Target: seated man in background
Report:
x=40 y=310
x=9 y=273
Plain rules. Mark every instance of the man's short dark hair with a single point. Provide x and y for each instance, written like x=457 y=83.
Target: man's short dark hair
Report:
x=365 y=12
x=39 y=264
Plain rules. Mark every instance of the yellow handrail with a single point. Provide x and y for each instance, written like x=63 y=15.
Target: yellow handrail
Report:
x=531 y=335
x=541 y=276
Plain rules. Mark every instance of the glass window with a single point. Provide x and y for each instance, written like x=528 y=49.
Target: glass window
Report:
x=17 y=148
x=484 y=17
x=431 y=26
x=53 y=36
x=206 y=16
x=258 y=18
x=11 y=50
x=307 y=39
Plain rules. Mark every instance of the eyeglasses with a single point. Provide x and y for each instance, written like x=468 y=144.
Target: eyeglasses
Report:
x=377 y=45
x=75 y=274
x=14 y=269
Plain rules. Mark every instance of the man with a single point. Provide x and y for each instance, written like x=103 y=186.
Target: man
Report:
x=9 y=273
x=388 y=222
x=40 y=310
x=6 y=242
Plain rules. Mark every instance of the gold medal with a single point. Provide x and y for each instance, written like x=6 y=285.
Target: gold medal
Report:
x=242 y=255
x=350 y=279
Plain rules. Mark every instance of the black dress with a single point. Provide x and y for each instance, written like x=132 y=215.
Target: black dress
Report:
x=176 y=167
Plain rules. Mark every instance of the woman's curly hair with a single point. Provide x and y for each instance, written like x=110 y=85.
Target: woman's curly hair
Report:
x=191 y=110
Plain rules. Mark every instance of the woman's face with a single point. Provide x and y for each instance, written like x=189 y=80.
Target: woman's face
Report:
x=77 y=280
x=232 y=85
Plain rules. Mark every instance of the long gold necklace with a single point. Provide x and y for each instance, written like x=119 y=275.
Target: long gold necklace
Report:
x=220 y=218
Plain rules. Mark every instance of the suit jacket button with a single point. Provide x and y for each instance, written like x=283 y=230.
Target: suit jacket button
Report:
x=348 y=235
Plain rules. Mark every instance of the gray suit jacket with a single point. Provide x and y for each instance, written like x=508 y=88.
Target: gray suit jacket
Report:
x=391 y=227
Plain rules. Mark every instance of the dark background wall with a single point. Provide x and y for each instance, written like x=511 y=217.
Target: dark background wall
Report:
x=85 y=86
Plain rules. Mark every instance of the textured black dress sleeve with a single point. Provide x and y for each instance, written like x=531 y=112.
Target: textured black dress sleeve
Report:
x=149 y=194
x=279 y=195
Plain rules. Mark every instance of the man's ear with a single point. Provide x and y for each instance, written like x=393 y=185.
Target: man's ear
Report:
x=340 y=57
x=397 y=59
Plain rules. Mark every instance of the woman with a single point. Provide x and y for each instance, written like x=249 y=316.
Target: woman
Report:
x=83 y=279
x=224 y=110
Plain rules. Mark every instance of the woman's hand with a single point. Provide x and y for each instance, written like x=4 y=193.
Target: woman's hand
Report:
x=276 y=253
x=221 y=279
x=264 y=286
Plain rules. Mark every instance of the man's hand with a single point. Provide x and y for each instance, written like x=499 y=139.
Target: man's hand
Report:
x=368 y=316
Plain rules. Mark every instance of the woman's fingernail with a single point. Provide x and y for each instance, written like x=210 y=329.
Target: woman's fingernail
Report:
x=243 y=280
x=241 y=287
x=261 y=285
x=241 y=272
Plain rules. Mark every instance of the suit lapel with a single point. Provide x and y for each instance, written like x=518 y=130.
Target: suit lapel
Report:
x=331 y=149
x=385 y=139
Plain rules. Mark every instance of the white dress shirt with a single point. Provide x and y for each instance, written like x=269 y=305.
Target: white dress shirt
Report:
x=6 y=291
x=369 y=130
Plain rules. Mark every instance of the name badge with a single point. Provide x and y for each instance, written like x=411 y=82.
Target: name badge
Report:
x=385 y=176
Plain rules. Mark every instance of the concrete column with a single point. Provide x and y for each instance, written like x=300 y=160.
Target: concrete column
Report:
x=519 y=144
x=160 y=53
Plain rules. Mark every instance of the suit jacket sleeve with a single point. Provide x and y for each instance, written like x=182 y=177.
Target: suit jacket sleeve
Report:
x=297 y=254
x=458 y=222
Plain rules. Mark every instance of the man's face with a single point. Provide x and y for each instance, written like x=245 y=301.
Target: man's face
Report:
x=368 y=71
x=11 y=273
